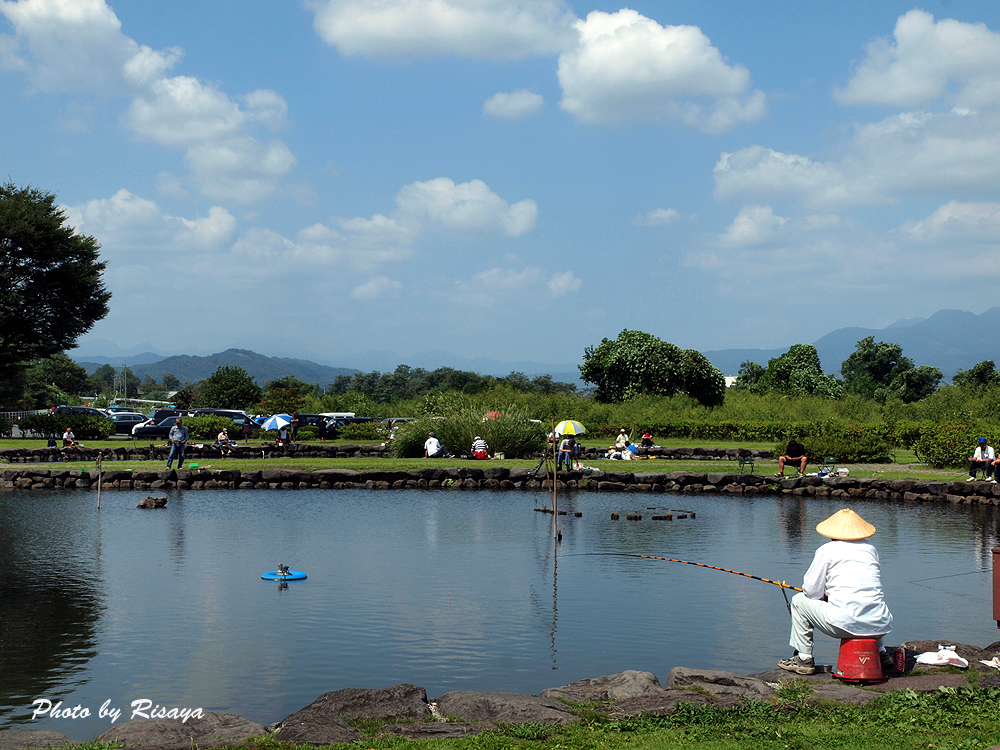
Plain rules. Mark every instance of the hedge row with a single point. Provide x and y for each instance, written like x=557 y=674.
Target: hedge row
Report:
x=898 y=433
x=54 y=425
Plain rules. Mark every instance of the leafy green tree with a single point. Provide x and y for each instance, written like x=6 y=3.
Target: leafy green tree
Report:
x=797 y=372
x=980 y=376
x=170 y=381
x=61 y=372
x=749 y=375
x=916 y=384
x=872 y=368
x=51 y=285
x=103 y=379
x=230 y=387
x=637 y=364
x=281 y=401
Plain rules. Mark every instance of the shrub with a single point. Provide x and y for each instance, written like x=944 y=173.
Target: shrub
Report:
x=512 y=432
x=307 y=433
x=359 y=431
x=208 y=427
x=861 y=449
x=950 y=444
x=54 y=425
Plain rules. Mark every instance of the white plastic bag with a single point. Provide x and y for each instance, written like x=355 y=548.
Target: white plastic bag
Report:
x=943 y=657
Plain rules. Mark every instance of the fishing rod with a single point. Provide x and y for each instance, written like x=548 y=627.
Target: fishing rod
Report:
x=781 y=584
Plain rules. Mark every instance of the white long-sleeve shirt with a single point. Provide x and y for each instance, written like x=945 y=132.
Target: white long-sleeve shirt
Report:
x=848 y=575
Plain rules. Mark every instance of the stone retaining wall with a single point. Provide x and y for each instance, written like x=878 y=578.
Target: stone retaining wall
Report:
x=499 y=478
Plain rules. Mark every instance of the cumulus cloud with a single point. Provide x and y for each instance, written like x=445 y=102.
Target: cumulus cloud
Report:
x=925 y=60
x=752 y=226
x=466 y=207
x=514 y=105
x=957 y=220
x=496 y=29
x=564 y=282
x=78 y=47
x=376 y=287
x=128 y=222
x=626 y=67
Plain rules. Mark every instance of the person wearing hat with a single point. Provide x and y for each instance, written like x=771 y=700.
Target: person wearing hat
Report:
x=983 y=458
x=434 y=448
x=841 y=593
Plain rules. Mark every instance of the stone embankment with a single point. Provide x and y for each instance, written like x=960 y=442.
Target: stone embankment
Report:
x=409 y=713
x=496 y=477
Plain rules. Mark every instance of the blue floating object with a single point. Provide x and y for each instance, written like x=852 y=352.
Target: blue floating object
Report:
x=290 y=575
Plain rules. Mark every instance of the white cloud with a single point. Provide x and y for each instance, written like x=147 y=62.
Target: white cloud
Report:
x=209 y=231
x=77 y=46
x=375 y=288
x=564 y=282
x=468 y=207
x=627 y=67
x=657 y=217
x=498 y=29
x=927 y=59
x=957 y=220
x=752 y=226
x=514 y=105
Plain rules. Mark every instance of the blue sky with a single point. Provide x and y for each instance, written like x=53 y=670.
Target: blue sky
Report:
x=511 y=179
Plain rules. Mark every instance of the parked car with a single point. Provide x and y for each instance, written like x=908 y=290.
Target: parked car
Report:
x=155 y=429
x=83 y=411
x=126 y=420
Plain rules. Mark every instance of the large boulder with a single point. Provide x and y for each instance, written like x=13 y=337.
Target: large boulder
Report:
x=719 y=683
x=628 y=684
x=506 y=708
x=211 y=730
x=324 y=721
x=21 y=738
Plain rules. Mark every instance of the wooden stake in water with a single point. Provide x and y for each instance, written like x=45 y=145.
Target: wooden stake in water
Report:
x=555 y=480
x=99 y=480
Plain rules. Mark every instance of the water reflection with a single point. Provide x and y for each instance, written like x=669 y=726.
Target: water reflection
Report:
x=447 y=590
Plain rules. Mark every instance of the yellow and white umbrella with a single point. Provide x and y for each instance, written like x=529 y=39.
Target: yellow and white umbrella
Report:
x=570 y=427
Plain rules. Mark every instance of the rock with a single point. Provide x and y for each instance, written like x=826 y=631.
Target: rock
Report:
x=719 y=683
x=152 y=502
x=17 y=738
x=212 y=730
x=324 y=721
x=664 y=703
x=838 y=691
x=507 y=708
x=628 y=684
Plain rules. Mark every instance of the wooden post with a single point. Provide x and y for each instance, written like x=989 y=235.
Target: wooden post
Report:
x=99 y=479
x=996 y=585
x=555 y=479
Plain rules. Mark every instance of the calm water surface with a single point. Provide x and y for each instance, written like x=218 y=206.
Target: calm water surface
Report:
x=446 y=590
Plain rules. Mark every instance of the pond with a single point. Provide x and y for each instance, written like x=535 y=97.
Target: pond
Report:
x=448 y=590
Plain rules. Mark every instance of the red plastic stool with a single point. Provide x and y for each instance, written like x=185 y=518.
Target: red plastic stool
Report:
x=859 y=662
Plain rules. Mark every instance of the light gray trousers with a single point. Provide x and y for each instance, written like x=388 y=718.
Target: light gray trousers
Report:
x=808 y=614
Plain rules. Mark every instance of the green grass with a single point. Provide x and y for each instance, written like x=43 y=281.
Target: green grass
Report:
x=946 y=719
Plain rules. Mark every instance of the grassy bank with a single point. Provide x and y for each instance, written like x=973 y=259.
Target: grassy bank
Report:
x=947 y=719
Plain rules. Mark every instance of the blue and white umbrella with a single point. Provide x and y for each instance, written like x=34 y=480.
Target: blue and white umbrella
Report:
x=276 y=422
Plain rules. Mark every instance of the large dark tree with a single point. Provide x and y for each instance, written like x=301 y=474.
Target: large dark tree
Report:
x=230 y=387
x=797 y=372
x=51 y=285
x=638 y=363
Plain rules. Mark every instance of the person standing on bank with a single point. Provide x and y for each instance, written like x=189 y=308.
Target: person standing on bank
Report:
x=841 y=593
x=178 y=438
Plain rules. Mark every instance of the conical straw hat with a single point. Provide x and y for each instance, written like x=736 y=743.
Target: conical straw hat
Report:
x=847 y=525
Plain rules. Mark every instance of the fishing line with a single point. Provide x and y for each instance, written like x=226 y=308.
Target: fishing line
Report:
x=781 y=584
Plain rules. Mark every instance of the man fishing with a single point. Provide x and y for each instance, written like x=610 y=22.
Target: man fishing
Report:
x=841 y=593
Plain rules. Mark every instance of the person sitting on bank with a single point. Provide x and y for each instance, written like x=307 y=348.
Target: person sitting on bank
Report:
x=69 y=439
x=621 y=441
x=647 y=439
x=566 y=450
x=480 y=448
x=225 y=444
x=983 y=458
x=434 y=448
x=841 y=593
x=795 y=453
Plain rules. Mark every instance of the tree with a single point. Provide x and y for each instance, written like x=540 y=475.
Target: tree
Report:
x=913 y=385
x=981 y=375
x=230 y=387
x=749 y=375
x=638 y=363
x=51 y=285
x=170 y=381
x=62 y=372
x=797 y=372
x=872 y=368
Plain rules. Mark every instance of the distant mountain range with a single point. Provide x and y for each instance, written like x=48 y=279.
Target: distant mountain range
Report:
x=190 y=368
x=950 y=340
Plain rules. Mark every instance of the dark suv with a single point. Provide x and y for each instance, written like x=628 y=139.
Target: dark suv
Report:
x=83 y=411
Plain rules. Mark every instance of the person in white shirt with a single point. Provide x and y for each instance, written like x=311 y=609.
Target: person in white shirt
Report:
x=841 y=593
x=434 y=448
x=983 y=458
